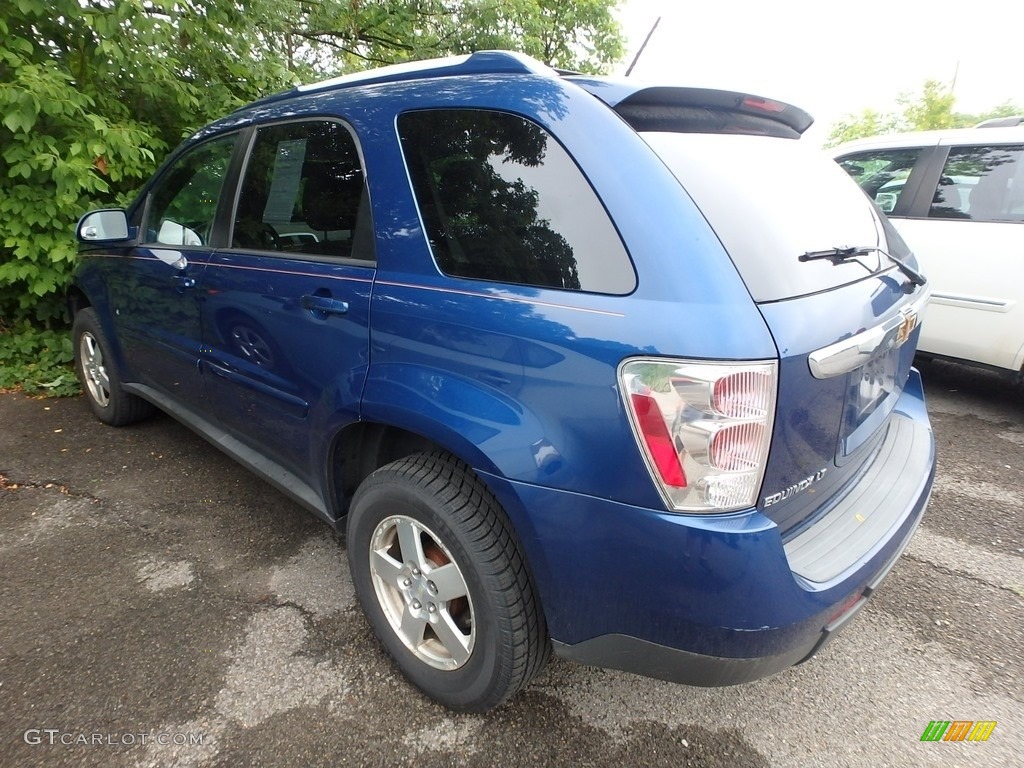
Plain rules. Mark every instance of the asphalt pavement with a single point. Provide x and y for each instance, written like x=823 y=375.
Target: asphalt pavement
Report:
x=160 y=606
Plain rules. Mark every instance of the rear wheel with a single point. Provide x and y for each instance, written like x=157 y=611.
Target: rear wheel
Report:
x=436 y=567
x=97 y=372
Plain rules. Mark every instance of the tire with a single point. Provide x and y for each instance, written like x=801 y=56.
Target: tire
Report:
x=97 y=372
x=454 y=605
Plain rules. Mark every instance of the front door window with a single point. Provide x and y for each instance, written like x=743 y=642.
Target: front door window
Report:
x=183 y=203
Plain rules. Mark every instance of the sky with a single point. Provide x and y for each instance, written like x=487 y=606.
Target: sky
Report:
x=833 y=59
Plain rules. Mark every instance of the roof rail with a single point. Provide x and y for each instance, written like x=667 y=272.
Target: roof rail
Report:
x=1002 y=122
x=479 y=63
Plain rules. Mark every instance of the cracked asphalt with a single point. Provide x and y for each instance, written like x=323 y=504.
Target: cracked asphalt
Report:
x=161 y=606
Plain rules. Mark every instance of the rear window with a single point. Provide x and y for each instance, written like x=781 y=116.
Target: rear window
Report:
x=770 y=200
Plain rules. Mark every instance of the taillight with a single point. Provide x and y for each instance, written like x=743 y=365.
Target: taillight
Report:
x=764 y=105
x=658 y=441
x=703 y=428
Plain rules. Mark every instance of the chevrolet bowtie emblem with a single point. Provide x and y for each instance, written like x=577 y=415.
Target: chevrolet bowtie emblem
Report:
x=907 y=326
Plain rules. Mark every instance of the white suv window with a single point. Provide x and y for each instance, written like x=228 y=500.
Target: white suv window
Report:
x=982 y=183
x=882 y=173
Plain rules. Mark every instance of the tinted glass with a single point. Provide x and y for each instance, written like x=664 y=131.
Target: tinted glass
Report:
x=882 y=173
x=303 y=192
x=770 y=201
x=184 y=200
x=981 y=184
x=502 y=200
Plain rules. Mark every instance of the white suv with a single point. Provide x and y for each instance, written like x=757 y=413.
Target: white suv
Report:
x=957 y=197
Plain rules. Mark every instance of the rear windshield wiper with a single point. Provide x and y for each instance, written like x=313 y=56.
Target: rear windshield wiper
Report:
x=839 y=255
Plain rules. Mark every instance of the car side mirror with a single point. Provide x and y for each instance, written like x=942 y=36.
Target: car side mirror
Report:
x=886 y=201
x=109 y=225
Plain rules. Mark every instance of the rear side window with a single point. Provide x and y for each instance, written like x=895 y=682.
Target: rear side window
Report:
x=304 y=192
x=501 y=200
x=882 y=173
x=982 y=183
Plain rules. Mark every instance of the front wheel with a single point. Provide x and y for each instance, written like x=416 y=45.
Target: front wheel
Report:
x=98 y=374
x=438 y=572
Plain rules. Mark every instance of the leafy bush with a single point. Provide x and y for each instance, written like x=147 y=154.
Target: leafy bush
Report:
x=37 y=361
x=92 y=95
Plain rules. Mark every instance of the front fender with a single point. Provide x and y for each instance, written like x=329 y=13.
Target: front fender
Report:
x=90 y=283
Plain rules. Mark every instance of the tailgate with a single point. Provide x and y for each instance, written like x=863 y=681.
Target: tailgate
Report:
x=840 y=293
x=845 y=357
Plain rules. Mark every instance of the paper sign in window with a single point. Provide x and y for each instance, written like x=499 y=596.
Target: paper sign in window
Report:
x=284 y=188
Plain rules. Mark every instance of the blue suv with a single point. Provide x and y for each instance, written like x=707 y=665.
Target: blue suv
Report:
x=582 y=365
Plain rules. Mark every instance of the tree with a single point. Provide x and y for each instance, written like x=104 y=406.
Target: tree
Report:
x=1006 y=109
x=92 y=94
x=867 y=123
x=566 y=34
x=931 y=109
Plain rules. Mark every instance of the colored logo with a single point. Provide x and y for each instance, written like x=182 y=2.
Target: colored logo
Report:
x=958 y=730
x=906 y=326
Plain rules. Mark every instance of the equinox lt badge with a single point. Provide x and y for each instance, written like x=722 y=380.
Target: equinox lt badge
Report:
x=794 y=489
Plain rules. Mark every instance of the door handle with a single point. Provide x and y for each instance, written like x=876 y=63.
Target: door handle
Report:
x=495 y=379
x=323 y=305
x=184 y=281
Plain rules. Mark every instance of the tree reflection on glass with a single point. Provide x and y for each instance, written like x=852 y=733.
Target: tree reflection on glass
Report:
x=980 y=183
x=481 y=179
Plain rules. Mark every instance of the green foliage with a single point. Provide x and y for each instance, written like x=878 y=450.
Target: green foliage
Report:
x=93 y=93
x=37 y=361
x=867 y=123
x=1006 y=109
x=931 y=109
x=567 y=34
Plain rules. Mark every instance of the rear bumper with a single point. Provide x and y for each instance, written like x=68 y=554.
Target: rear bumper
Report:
x=716 y=600
x=631 y=654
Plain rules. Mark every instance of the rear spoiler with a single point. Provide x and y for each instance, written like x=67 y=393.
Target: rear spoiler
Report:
x=697 y=110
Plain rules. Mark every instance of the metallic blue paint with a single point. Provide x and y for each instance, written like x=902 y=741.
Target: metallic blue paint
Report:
x=275 y=371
